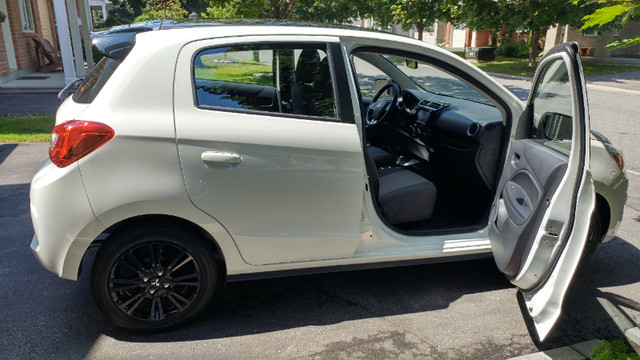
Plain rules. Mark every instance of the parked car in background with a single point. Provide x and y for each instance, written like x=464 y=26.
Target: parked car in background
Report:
x=195 y=154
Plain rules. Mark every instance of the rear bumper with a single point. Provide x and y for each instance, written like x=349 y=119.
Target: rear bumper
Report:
x=63 y=221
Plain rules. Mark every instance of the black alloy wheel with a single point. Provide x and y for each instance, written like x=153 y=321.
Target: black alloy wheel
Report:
x=153 y=279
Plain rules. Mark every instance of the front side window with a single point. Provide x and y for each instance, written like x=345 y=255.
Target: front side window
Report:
x=277 y=78
x=26 y=15
x=552 y=107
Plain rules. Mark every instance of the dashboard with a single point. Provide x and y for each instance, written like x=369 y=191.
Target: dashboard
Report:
x=462 y=137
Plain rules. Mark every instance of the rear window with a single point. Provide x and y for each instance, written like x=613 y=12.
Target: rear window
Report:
x=95 y=80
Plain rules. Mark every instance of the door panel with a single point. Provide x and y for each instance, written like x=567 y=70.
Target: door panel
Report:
x=540 y=217
x=287 y=187
x=534 y=173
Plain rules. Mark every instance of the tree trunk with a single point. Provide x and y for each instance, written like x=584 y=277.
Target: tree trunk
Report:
x=533 y=47
x=419 y=29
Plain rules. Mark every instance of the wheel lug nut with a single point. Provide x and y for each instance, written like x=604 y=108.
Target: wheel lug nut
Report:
x=145 y=279
x=152 y=291
x=160 y=272
x=165 y=285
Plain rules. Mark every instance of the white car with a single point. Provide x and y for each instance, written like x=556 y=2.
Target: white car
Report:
x=195 y=154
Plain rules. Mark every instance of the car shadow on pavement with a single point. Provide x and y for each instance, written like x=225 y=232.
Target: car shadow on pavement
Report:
x=5 y=151
x=262 y=306
x=268 y=305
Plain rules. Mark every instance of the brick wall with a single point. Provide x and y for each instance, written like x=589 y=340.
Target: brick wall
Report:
x=483 y=38
x=22 y=42
x=4 y=62
x=447 y=34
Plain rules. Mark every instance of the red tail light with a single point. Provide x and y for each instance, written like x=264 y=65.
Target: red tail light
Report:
x=73 y=140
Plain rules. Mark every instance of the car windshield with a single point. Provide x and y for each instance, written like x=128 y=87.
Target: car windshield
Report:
x=436 y=81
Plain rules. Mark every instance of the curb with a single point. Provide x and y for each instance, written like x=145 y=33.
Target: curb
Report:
x=8 y=90
x=579 y=351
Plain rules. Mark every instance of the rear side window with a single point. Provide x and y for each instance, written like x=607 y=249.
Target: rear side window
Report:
x=278 y=78
x=95 y=80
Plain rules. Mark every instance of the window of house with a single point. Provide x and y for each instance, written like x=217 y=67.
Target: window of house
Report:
x=26 y=15
x=279 y=78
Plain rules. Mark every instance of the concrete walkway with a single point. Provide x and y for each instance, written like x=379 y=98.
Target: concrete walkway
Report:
x=35 y=82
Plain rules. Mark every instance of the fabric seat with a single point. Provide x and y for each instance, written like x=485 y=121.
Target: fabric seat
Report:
x=302 y=87
x=380 y=157
x=402 y=195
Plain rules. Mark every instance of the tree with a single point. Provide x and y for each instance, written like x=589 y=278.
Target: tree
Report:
x=533 y=16
x=127 y=10
x=329 y=11
x=420 y=14
x=163 y=9
x=616 y=11
x=266 y=9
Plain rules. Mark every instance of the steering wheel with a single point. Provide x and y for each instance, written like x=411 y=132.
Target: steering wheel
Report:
x=380 y=109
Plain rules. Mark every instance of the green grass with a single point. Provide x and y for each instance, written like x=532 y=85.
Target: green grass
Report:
x=520 y=67
x=26 y=128
x=235 y=70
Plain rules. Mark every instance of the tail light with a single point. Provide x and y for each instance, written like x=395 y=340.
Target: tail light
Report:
x=73 y=140
x=616 y=154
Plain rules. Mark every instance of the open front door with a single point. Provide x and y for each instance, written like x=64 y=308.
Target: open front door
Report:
x=540 y=217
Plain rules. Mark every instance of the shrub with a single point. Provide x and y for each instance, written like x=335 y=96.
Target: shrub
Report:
x=615 y=350
x=514 y=50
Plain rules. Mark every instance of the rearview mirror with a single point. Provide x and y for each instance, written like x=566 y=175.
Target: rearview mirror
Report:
x=411 y=64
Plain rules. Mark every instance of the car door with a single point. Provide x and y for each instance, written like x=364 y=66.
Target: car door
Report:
x=281 y=170
x=540 y=216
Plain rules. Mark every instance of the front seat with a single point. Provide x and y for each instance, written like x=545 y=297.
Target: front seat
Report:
x=305 y=73
x=380 y=157
x=402 y=195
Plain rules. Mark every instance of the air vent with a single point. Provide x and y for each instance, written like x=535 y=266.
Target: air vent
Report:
x=432 y=106
x=473 y=129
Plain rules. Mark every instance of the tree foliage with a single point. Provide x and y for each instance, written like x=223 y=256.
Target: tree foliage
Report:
x=127 y=10
x=420 y=14
x=163 y=9
x=329 y=11
x=266 y=9
x=510 y=16
x=616 y=13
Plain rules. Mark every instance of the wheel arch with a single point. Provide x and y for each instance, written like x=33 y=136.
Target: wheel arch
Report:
x=163 y=220
x=604 y=210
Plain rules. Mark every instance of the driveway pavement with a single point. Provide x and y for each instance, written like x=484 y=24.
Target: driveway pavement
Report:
x=28 y=104
x=626 y=81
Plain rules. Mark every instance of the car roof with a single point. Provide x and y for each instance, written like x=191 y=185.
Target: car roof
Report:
x=116 y=42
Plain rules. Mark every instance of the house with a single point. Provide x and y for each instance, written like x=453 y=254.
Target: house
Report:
x=21 y=21
x=592 y=44
x=24 y=20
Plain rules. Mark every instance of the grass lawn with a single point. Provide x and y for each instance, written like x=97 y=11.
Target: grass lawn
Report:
x=519 y=67
x=26 y=128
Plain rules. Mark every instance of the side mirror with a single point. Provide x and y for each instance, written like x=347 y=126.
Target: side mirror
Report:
x=557 y=127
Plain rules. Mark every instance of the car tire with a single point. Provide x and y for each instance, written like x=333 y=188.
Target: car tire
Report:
x=593 y=237
x=153 y=279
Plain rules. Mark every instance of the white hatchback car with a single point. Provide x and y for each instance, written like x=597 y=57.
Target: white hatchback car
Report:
x=194 y=154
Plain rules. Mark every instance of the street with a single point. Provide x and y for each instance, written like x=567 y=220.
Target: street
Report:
x=462 y=310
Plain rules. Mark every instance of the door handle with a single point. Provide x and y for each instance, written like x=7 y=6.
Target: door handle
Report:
x=220 y=158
